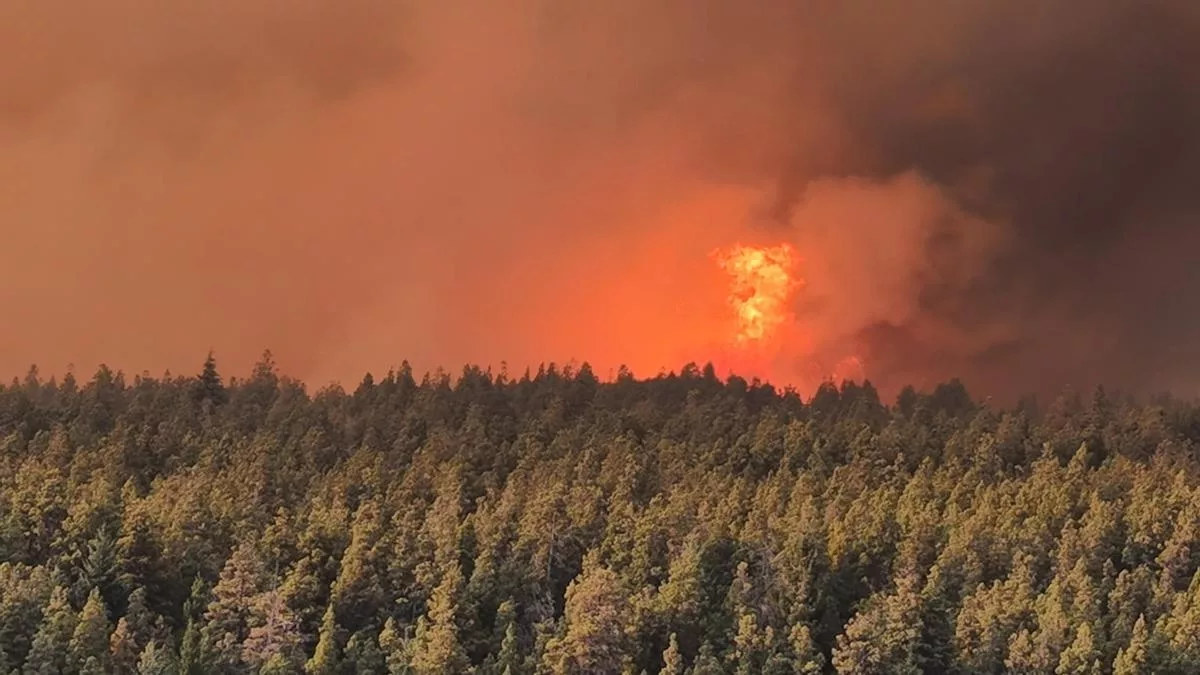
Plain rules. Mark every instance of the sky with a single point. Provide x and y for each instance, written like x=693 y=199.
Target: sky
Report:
x=999 y=191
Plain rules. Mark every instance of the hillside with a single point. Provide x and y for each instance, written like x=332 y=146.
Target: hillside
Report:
x=554 y=523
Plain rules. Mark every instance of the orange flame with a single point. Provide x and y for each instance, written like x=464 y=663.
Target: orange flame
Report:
x=761 y=288
x=762 y=283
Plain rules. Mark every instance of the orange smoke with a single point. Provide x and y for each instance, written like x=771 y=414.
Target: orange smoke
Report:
x=850 y=368
x=761 y=288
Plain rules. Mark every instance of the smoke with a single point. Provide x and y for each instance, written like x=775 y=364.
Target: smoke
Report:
x=1002 y=191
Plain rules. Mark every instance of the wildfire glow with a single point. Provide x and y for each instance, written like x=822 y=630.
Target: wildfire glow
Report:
x=850 y=368
x=762 y=281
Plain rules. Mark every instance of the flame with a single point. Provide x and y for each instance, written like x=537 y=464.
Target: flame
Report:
x=762 y=281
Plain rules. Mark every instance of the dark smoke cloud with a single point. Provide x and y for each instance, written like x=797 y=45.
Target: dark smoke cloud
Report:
x=1077 y=128
x=1004 y=191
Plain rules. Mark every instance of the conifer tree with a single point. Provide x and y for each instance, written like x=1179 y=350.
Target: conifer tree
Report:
x=510 y=654
x=134 y=631
x=436 y=648
x=194 y=657
x=808 y=659
x=672 y=659
x=158 y=659
x=882 y=637
x=210 y=388
x=396 y=648
x=228 y=617
x=274 y=636
x=363 y=655
x=326 y=660
x=90 y=639
x=1082 y=656
x=49 y=654
x=594 y=618
x=707 y=662
x=357 y=594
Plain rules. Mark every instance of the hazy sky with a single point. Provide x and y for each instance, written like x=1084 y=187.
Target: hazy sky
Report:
x=1005 y=191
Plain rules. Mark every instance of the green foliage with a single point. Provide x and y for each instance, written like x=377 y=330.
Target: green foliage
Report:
x=49 y=652
x=553 y=523
x=157 y=659
x=436 y=646
x=594 y=640
x=326 y=660
x=90 y=640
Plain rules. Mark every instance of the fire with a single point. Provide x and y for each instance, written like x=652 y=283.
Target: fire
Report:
x=762 y=283
x=761 y=287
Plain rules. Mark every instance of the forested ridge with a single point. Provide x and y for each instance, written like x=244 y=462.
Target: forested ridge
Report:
x=555 y=523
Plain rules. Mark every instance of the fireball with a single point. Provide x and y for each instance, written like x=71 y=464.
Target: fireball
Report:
x=762 y=282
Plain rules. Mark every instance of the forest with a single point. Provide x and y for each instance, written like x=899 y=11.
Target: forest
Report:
x=554 y=522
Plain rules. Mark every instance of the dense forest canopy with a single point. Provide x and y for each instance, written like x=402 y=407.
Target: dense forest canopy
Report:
x=555 y=523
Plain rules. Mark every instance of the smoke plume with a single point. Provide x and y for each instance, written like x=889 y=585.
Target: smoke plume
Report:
x=1002 y=191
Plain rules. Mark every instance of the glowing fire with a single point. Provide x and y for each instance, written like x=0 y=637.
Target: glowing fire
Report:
x=762 y=283
x=761 y=288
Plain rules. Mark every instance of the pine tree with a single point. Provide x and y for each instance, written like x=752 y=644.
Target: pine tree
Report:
x=99 y=569
x=750 y=647
x=808 y=658
x=193 y=657
x=883 y=637
x=357 y=594
x=274 y=635
x=228 y=617
x=362 y=654
x=90 y=638
x=595 y=620
x=706 y=662
x=279 y=664
x=140 y=561
x=510 y=651
x=1082 y=656
x=672 y=659
x=396 y=648
x=123 y=648
x=210 y=388
x=133 y=632
x=436 y=648
x=91 y=666
x=1023 y=655
x=158 y=659
x=1134 y=659
x=51 y=643
x=327 y=658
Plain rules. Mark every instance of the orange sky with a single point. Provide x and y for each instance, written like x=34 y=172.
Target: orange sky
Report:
x=352 y=183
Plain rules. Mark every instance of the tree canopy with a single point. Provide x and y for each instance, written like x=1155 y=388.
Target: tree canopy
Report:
x=555 y=523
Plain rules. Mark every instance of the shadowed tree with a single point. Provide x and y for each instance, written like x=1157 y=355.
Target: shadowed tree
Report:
x=209 y=388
